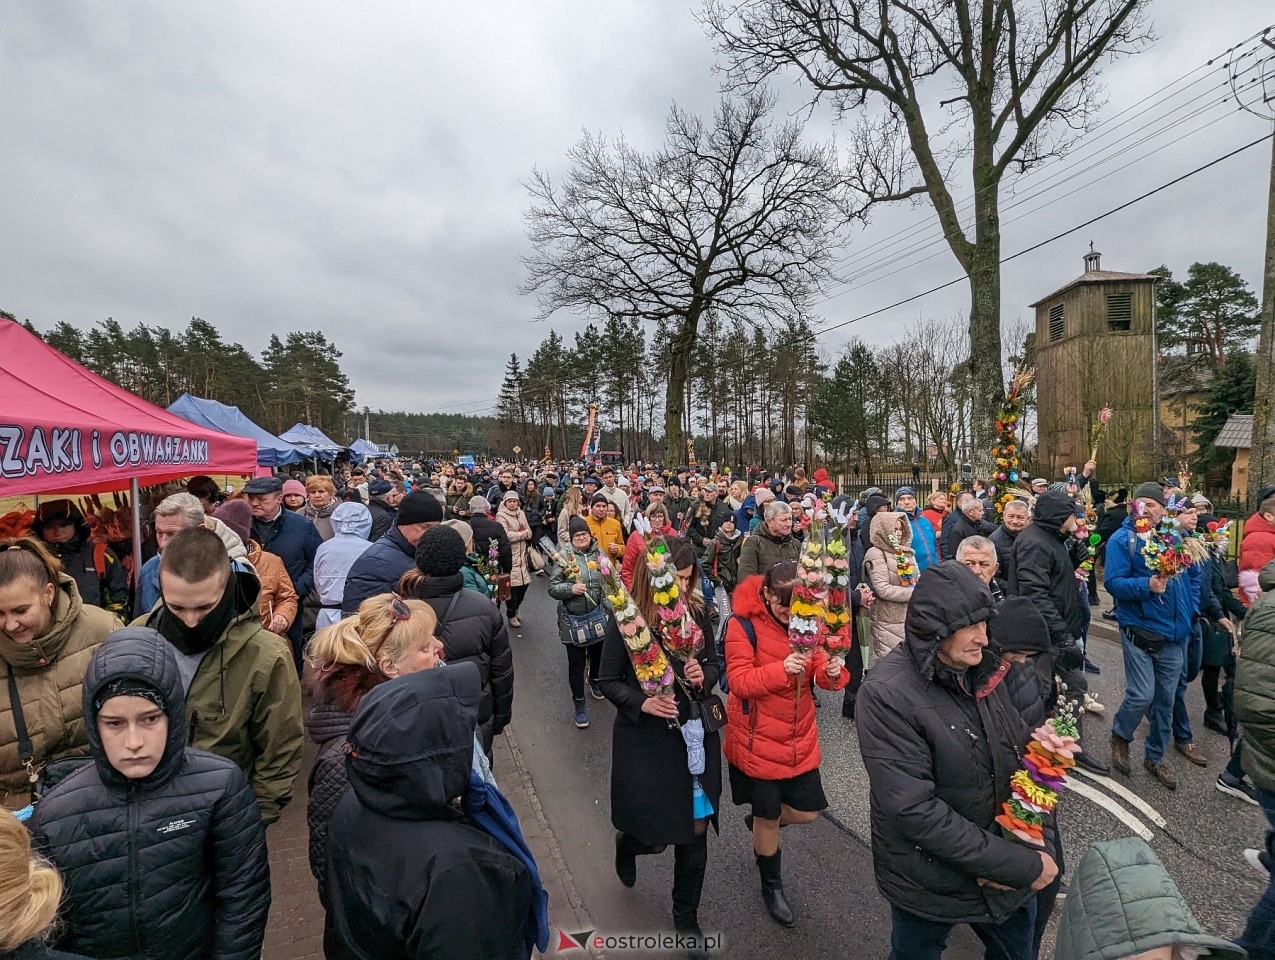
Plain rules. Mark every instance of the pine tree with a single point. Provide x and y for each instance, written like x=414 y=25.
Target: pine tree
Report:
x=1233 y=391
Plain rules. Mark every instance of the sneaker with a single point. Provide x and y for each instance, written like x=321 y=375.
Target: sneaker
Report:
x=594 y=690
x=1237 y=787
x=1109 y=615
x=1092 y=705
x=1161 y=772
x=1259 y=861
x=582 y=715
x=1192 y=753
x=1091 y=667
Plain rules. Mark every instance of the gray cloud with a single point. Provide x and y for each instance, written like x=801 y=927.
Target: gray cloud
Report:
x=356 y=169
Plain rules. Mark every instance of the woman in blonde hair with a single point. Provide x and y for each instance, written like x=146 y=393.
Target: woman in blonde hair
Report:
x=572 y=506
x=389 y=637
x=47 y=635
x=30 y=891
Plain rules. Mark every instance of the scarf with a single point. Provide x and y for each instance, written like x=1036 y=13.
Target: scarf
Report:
x=200 y=637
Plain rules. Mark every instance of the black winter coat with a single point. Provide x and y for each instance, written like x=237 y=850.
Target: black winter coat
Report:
x=474 y=632
x=409 y=877
x=169 y=867
x=39 y=950
x=1045 y=573
x=327 y=726
x=382 y=517
x=961 y=528
x=939 y=759
x=705 y=520
x=377 y=570
x=295 y=541
x=650 y=781
x=486 y=530
x=1003 y=540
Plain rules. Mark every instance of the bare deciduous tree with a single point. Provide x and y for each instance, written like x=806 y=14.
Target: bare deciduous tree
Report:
x=1019 y=82
x=740 y=218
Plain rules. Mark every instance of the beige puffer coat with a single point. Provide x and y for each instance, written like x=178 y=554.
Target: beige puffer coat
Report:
x=519 y=532
x=48 y=672
x=890 y=608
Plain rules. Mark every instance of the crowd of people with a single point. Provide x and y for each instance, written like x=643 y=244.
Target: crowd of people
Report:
x=146 y=761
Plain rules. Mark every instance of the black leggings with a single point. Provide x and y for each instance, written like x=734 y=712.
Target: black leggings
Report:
x=576 y=657
x=516 y=596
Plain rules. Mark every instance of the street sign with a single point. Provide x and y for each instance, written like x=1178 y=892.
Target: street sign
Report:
x=394 y=450
x=517 y=449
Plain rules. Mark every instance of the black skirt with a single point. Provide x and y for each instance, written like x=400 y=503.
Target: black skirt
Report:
x=767 y=797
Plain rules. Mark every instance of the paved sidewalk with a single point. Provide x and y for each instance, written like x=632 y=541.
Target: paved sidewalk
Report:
x=295 y=931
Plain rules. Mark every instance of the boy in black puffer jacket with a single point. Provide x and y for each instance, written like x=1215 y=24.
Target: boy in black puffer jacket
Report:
x=161 y=846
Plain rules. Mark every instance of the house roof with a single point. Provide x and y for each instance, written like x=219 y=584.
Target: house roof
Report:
x=1238 y=432
x=1184 y=375
x=1097 y=276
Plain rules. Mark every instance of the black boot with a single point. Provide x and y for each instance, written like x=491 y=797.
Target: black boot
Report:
x=690 y=860
x=772 y=889
x=1085 y=758
x=627 y=850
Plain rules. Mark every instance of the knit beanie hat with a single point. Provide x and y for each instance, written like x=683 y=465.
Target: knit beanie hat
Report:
x=577 y=525
x=293 y=488
x=479 y=505
x=440 y=552
x=460 y=526
x=1150 y=491
x=1019 y=627
x=418 y=507
x=237 y=515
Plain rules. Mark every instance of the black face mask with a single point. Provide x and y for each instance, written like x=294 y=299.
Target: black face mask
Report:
x=199 y=638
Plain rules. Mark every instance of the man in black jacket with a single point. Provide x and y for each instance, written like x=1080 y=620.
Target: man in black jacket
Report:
x=486 y=529
x=160 y=845
x=1014 y=520
x=940 y=739
x=965 y=521
x=381 y=565
x=1047 y=577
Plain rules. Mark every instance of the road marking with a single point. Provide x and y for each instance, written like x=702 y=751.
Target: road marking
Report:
x=1113 y=808
x=1120 y=790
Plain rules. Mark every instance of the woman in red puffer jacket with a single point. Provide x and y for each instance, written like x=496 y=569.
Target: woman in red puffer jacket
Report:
x=772 y=745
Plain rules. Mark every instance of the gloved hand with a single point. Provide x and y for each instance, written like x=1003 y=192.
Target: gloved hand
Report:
x=1070 y=656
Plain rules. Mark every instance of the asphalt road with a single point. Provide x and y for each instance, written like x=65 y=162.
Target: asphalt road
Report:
x=828 y=864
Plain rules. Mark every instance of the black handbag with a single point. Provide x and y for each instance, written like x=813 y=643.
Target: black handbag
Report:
x=586 y=629
x=711 y=711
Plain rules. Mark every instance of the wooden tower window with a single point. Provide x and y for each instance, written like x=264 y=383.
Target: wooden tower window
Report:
x=1057 y=326
x=1119 y=312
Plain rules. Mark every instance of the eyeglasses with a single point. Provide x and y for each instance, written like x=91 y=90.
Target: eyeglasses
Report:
x=399 y=612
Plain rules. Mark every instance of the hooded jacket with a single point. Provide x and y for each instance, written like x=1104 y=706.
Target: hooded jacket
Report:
x=327 y=726
x=169 y=867
x=1127 y=578
x=890 y=607
x=1045 y=573
x=518 y=533
x=1020 y=627
x=278 y=597
x=939 y=752
x=408 y=875
x=1255 y=685
x=721 y=559
x=770 y=729
x=94 y=566
x=49 y=692
x=1123 y=903
x=351 y=525
x=1257 y=549
x=244 y=701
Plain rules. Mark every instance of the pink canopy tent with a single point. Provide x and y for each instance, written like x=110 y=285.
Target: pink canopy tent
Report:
x=64 y=429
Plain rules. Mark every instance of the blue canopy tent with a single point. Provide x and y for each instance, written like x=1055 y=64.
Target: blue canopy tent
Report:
x=362 y=448
x=271 y=451
x=324 y=447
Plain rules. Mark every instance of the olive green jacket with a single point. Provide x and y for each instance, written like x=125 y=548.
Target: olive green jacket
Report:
x=244 y=702
x=48 y=673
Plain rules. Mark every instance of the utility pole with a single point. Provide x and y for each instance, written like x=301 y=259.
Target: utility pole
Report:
x=1261 y=468
x=367 y=429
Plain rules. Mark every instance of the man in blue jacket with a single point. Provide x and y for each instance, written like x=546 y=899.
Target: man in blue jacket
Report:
x=924 y=542
x=1156 y=615
x=290 y=537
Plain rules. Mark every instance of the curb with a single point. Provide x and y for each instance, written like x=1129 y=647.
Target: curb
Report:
x=548 y=852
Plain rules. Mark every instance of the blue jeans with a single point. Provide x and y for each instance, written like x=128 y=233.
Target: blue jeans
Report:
x=1190 y=670
x=1259 y=932
x=915 y=938
x=1149 y=682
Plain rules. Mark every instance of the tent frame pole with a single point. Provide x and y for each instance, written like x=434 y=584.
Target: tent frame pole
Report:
x=135 y=491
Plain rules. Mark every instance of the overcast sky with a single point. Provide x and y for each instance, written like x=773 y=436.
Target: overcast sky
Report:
x=355 y=168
